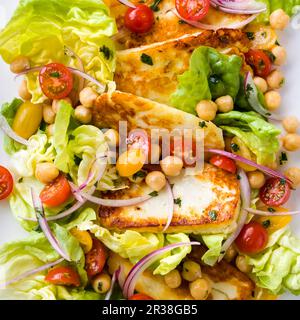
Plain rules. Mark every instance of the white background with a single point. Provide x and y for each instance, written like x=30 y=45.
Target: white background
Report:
x=9 y=228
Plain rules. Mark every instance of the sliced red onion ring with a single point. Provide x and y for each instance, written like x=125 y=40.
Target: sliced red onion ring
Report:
x=34 y=69
x=252 y=97
x=39 y=210
x=147 y=261
x=10 y=133
x=170 y=206
x=128 y=3
x=273 y=214
x=31 y=272
x=87 y=77
x=264 y=169
x=138 y=139
x=244 y=7
x=199 y=25
x=114 y=278
x=246 y=198
x=74 y=189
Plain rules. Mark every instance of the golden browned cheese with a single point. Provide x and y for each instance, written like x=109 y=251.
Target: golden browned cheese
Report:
x=209 y=203
x=226 y=281
x=146 y=114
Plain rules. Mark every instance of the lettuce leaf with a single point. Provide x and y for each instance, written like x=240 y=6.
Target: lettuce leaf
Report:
x=211 y=74
x=214 y=245
x=40 y=30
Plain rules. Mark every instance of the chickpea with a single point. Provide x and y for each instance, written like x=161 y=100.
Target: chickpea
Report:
x=20 y=64
x=279 y=19
x=83 y=114
x=88 y=97
x=291 y=142
x=242 y=264
x=273 y=100
x=171 y=166
x=230 y=254
x=294 y=175
x=173 y=279
x=101 y=283
x=112 y=137
x=156 y=180
x=290 y=124
x=256 y=179
x=261 y=84
x=46 y=172
x=206 y=110
x=55 y=103
x=200 y=289
x=275 y=79
x=280 y=55
x=225 y=104
x=48 y=114
x=191 y=270
x=50 y=130
x=23 y=91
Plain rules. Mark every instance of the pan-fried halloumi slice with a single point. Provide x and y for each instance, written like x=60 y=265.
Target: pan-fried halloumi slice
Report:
x=227 y=282
x=212 y=190
x=146 y=114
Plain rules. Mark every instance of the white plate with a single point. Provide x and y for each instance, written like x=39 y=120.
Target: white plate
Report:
x=290 y=39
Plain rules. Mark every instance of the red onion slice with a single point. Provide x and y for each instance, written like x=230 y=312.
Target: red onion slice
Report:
x=87 y=77
x=273 y=214
x=31 y=272
x=252 y=97
x=114 y=278
x=170 y=206
x=39 y=210
x=128 y=3
x=245 y=7
x=147 y=261
x=246 y=198
x=262 y=168
x=34 y=69
x=10 y=133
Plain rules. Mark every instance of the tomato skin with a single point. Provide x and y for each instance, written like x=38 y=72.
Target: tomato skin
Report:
x=56 y=81
x=260 y=62
x=56 y=192
x=223 y=163
x=6 y=183
x=65 y=276
x=192 y=9
x=95 y=259
x=275 y=192
x=252 y=239
x=140 y=296
x=140 y=19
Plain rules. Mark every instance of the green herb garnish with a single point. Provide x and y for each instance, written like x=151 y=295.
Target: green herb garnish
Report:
x=235 y=147
x=154 y=6
x=283 y=158
x=146 y=59
x=271 y=210
x=106 y=51
x=139 y=174
x=266 y=224
x=213 y=215
x=181 y=22
x=250 y=35
x=202 y=124
x=178 y=201
x=153 y=194
x=270 y=55
x=55 y=74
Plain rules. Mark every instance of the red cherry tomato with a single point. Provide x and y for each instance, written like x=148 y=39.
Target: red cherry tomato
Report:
x=275 y=192
x=140 y=296
x=140 y=19
x=65 y=276
x=6 y=183
x=260 y=62
x=56 y=192
x=95 y=259
x=223 y=163
x=56 y=81
x=252 y=239
x=192 y=9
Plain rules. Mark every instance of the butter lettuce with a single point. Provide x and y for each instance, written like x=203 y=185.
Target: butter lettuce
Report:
x=211 y=74
x=259 y=135
x=40 y=30
x=214 y=245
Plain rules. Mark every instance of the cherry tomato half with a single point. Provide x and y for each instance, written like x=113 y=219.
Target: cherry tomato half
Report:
x=6 y=183
x=140 y=296
x=95 y=259
x=56 y=81
x=192 y=9
x=56 y=193
x=65 y=276
x=260 y=62
x=252 y=239
x=223 y=163
x=275 y=192
x=140 y=19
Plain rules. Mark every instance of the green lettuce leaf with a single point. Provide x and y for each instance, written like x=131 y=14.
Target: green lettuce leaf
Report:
x=41 y=29
x=214 y=245
x=259 y=135
x=211 y=74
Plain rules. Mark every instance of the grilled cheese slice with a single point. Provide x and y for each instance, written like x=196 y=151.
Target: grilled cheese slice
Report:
x=209 y=203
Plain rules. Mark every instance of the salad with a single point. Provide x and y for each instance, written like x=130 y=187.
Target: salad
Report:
x=145 y=153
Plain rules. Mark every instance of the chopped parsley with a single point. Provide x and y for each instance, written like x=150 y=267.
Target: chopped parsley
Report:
x=202 y=124
x=153 y=194
x=154 y=6
x=146 y=59
x=270 y=55
x=282 y=182
x=107 y=52
x=235 y=147
x=177 y=201
x=55 y=74
x=250 y=35
x=277 y=43
x=283 y=158
x=249 y=89
x=271 y=210
x=238 y=177
x=213 y=215
x=264 y=34
x=266 y=224
x=139 y=174
x=181 y=22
